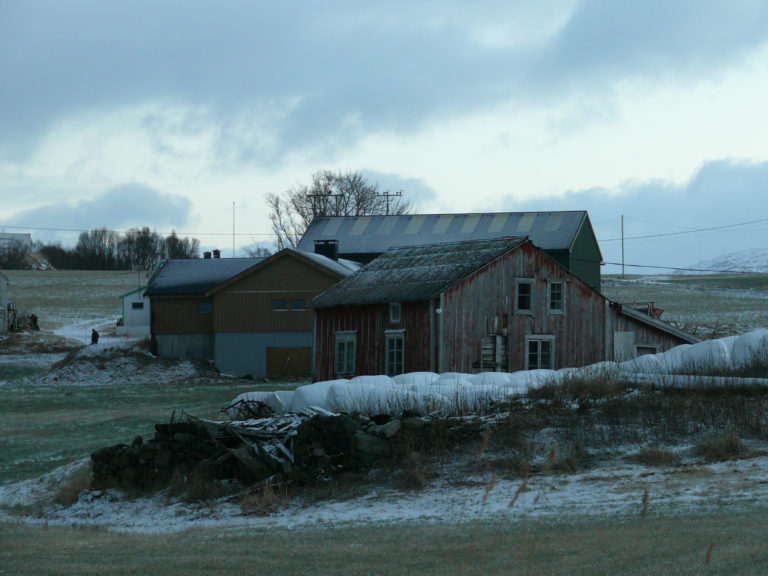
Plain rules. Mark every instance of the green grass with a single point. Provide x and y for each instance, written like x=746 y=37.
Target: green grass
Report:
x=712 y=544
x=42 y=428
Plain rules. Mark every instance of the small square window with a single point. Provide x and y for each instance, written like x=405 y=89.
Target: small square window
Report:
x=298 y=305
x=279 y=305
x=395 y=312
x=540 y=352
x=205 y=307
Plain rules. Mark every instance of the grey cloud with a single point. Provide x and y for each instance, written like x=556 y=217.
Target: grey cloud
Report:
x=120 y=208
x=659 y=216
x=390 y=67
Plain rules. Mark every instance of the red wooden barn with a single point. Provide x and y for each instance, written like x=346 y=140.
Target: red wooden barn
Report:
x=486 y=305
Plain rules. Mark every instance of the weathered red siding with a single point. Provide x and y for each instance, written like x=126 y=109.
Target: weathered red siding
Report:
x=480 y=306
x=370 y=324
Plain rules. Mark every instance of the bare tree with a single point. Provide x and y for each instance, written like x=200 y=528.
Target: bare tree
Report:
x=181 y=248
x=257 y=251
x=330 y=194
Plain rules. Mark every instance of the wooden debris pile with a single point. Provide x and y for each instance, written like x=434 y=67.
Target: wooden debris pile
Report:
x=304 y=449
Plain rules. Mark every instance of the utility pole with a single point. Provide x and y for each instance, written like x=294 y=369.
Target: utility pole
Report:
x=622 y=245
x=388 y=194
x=233 y=229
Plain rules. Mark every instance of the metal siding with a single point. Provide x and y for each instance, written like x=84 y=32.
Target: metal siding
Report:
x=179 y=316
x=245 y=353
x=246 y=305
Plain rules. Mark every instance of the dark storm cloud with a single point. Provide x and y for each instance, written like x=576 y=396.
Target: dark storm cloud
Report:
x=120 y=208
x=387 y=67
x=663 y=223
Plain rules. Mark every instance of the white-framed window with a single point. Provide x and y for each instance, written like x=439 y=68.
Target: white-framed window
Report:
x=395 y=352
x=298 y=305
x=344 y=360
x=539 y=352
x=643 y=349
x=524 y=295
x=137 y=305
x=395 y=311
x=279 y=305
x=556 y=297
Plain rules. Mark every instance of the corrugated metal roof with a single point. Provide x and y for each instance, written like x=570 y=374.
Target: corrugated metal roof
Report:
x=412 y=274
x=376 y=234
x=195 y=276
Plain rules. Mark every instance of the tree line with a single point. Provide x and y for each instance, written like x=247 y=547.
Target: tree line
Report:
x=104 y=249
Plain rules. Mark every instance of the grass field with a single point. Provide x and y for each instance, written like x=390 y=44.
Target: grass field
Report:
x=47 y=422
x=719 y=544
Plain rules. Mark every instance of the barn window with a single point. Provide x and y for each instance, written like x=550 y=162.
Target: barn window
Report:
x=345 y=353
x=556 y=297
x=643 y=349
x=205 y=307
x=279 y=305
x=394 y=312
x=137 y=305
x=524 y=295
x=539 y=352
x=395 y=352
x=298 y=305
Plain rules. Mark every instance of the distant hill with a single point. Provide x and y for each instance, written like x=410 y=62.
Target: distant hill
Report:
x=755 y=260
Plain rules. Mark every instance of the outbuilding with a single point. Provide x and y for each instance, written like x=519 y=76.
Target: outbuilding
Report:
x=474 y=306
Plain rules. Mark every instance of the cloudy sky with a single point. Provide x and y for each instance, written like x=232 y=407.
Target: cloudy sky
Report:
x=164 y=114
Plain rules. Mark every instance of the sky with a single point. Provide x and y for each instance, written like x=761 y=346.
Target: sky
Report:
x=184 y=115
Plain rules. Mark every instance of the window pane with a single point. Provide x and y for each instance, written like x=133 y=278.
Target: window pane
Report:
x=279 y=305
x=556 y=296
x=546 y=354
x=523 y=296
x=533 y=355
x=298 y=305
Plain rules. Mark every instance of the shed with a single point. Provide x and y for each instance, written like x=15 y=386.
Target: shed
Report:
x=473 y=306
x=135 y=317
x=566 y=236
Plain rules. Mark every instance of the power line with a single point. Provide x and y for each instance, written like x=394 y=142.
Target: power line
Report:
x=666 y=234
x=43 y=229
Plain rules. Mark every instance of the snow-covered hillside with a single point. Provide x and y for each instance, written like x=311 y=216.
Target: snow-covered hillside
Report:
x=754 y=260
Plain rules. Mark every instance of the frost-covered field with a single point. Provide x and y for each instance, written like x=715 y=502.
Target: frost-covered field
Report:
x=63 y=399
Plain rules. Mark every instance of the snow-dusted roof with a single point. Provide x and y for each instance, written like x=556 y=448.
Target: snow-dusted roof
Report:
x=411 y=274
x=376 y=234
x=340 y=266
x=195 y=276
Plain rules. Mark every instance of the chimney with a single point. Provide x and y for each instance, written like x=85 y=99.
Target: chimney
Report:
x=327 y=248
x=206 y=255
x=217 y=253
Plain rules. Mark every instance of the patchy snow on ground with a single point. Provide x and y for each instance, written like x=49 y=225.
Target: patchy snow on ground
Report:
x=617 y=489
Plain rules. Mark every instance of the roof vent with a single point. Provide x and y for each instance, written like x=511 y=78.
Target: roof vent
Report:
x=217 y=253
x=327 y=248
x=206 y=255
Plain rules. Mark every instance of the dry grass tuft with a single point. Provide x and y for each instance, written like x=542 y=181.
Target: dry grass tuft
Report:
x=721 y=447
x=263 y=501
x=68 y=492
x=655 y=456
